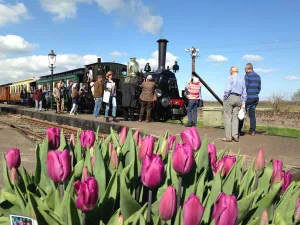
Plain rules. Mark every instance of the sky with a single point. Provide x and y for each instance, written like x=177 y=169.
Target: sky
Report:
x=233 y=32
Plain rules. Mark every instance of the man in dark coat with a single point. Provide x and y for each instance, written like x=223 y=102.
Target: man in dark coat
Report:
x=128 y=99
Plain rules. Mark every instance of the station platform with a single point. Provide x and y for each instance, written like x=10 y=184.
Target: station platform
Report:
x=284 y=148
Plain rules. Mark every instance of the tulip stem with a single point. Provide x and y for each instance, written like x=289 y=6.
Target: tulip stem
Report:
x=256 y=181
x=83 y=218
x=61 y=189
x=149 y=206
x=179 y=191
x=295 y=222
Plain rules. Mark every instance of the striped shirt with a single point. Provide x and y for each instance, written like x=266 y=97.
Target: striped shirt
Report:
x=194 y=90
x=253 y=85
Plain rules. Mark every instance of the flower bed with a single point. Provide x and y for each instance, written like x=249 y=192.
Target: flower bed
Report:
x=130 y=179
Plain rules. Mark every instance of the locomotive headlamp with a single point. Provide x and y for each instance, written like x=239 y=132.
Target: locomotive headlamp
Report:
x=158 y=92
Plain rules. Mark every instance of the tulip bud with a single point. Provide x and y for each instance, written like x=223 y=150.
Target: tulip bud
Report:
x=152 y=171
x=264 y=218
x=259 y=163
x=59 y=165
x=85 y=173
x=121 y=220
x=167 y=204
x=191 y=136
x=228 y=163
x=146 y=148
x=183 y=158
x=87 y=194
x=13 y=158
x=110 y=148
x=219 y=167
x=114 y=160
x=14 y=177
x=53 y=137
x=87 y=138
x=212 y=154
x=287 y=180
x=72 y=140
x=225 y=210
x=172 y=140
x=279 y=176
x=164 y=148
x=122 y=135
x=192 y=211
x=93 y=161
x=136 y=136
x=140 y=140
x=277 y=166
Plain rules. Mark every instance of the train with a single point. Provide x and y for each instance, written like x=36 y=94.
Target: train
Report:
x=169 y=104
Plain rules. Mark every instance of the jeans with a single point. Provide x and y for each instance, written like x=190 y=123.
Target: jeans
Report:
x=192 y=108
x=98 y=102
x=112 y=100
x=250 y=108
x=74 y=108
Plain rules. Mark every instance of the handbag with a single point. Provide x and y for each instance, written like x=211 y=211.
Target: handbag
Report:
x=106 y=96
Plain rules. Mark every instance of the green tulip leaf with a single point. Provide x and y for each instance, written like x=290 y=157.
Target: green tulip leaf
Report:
x=292 y=205
x=266 y=201
x=25 y=177
x=63 y=144
x=201 y=185
x=127 y=203
x=244 y=205
x=254 y=221
x=278 y=219
x=20 y=197
x=221 y=154
x=264 y=179
x=229 y=182
x=12 y=198
x=78 y=151
x=202 y=156
x=97 y=133
x=178 y=218
x=248 y=179
x=136 y=215
x=87 y=161
x=283 y=204
x=51 y=218
x=99 y=171
x=65 y=201
x=73 y=217
x=78 y=168
x=115 y=218
x=7 y=182
x=115 y=137
x=4 y=220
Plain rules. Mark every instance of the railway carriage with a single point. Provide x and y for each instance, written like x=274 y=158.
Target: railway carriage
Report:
x=4 y=92
x=16 y=88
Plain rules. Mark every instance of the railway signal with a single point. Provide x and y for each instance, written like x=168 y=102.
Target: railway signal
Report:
x=52 y=60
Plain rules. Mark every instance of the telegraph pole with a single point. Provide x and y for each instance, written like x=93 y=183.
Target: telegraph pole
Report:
x=194 y=54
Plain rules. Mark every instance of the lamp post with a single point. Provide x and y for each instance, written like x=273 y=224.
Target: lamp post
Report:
x=52 y=60
x=194 y=54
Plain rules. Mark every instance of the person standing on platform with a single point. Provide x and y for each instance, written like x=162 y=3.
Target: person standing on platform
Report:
x=253 y=87
x=147 y=97
x=110 y=86
x=23 y=96
x=70 y=84
x=235 y=97
x=194 y=88
x=128 y=99
x=46 y=98
x=57 y=95
x=62 y=96
x=98 y=96
x=38 y=98
x=74 y=97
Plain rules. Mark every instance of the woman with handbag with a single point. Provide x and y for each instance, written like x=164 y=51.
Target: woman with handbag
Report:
x=109 y=96
x=194 y=90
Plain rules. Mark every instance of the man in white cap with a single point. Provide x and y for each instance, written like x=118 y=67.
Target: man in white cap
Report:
x=147 y=97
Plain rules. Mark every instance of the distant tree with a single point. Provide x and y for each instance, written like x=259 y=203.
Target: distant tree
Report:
x=296 y=96
x=277 y=99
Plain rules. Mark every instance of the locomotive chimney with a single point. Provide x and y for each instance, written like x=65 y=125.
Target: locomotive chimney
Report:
x=162 y=51
x=99 y=60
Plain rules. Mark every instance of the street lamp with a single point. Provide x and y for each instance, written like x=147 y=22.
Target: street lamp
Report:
x=194 y=54
x=52 y=60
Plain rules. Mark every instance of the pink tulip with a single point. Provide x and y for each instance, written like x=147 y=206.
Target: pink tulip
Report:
x=72 y=139
x=53 y=137
x=264 y=218
x=93 y=161
x=14 y=177
x=85 y=173
x=225 y=210
x=59 y=165
x=110 y=148
x=146 y=148
x=228 y=163
x=287 y=180
x=277 y=166
x=183 y=158
x=152 y=171
x=212 y=154
x=13 y=158
x=167 y=204
x=121 y=220
x=219 y=167
x=114 y=160
x=172 y=140
x=87 y=138
x=122 y=136
x=279 y=176
x=259 y=163
x=191 y=136
x=137 y=137
x=192 y=211
x=87 y=194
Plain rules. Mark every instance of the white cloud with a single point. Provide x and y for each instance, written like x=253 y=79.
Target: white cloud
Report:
x=116 y=54
x=36 y=66
x=217 y=58
x=13 y=13
x=110 y=5
x=252 y=58
x=14 y=44
x=153 y=61
x=291 y=78
x=62 y=9
x=261 y=70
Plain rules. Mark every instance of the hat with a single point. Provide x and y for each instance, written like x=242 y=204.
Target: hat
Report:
x=195 y=79
x=149 y=77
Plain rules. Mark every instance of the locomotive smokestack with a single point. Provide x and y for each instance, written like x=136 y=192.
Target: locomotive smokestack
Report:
x=162 y=51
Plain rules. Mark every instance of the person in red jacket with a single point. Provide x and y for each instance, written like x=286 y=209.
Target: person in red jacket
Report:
x=38 y=97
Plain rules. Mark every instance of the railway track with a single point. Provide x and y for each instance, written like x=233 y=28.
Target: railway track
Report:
x=35 y=128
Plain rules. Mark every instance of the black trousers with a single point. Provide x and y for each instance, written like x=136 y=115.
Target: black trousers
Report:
x=69 y=104
x=129 y=110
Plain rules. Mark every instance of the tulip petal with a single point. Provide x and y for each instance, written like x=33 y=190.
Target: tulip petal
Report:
x=65 y=160
x=192 y=211
x=13 y=158
x=167 y=204
x=54 y=167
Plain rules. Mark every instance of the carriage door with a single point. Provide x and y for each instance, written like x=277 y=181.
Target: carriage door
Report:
x=6 y=93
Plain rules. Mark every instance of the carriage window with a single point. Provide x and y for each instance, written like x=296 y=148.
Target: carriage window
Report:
x=25 y=87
